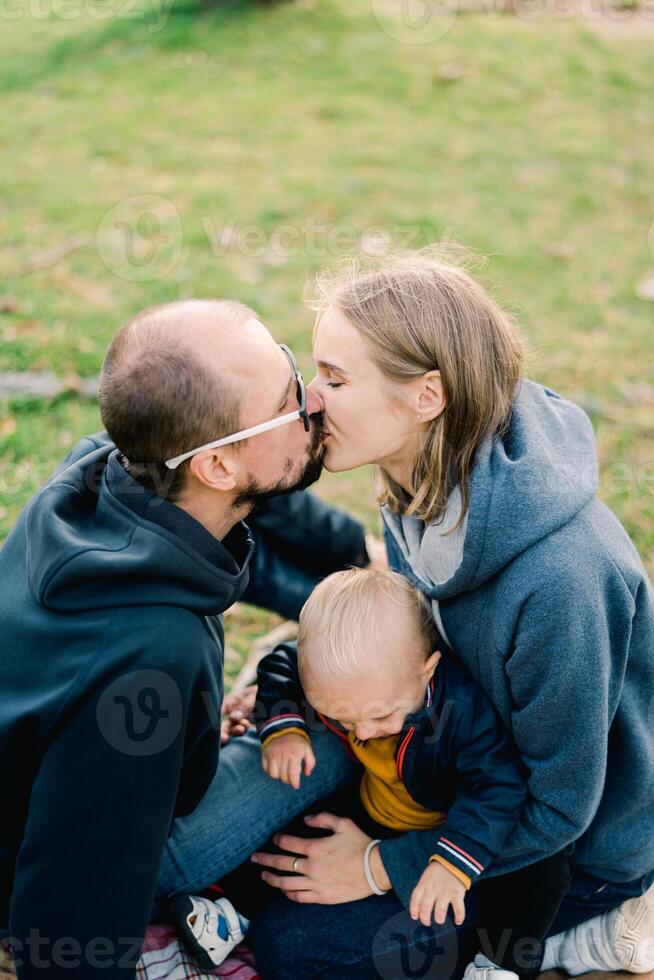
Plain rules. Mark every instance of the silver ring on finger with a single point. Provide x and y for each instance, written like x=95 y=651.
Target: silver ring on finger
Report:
x=295 y=864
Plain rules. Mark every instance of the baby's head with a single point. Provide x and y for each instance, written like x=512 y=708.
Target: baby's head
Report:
x=366 y=650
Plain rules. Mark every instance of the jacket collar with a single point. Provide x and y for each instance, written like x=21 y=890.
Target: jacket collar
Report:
x=420 y=718
x=229 y=554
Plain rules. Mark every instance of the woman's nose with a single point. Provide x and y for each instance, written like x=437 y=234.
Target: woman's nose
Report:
x=314 y=402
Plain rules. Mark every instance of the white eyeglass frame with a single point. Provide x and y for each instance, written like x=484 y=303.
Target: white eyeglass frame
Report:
x=255 y=430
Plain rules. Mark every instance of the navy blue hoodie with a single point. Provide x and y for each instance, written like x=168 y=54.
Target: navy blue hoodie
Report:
x=111 y=679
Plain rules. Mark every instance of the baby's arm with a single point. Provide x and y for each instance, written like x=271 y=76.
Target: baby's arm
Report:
x=437 y=889
x=281 y=724
x=283 y=757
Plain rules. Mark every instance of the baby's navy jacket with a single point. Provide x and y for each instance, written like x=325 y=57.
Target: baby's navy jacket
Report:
x=453 y=755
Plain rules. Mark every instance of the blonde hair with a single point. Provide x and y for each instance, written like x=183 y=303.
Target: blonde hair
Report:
x=419 y=313
x=339 y=623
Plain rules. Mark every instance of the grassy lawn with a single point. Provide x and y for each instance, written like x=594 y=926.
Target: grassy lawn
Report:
x=270 y=140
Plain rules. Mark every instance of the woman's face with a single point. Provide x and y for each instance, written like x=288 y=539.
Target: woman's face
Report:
x=367 y=418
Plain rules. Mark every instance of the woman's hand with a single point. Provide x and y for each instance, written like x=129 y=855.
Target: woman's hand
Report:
x=284 y=757
x=437 y=889
x=329 y=870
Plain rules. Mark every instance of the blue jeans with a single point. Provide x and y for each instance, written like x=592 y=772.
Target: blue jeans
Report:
x=366 y=940
x=241 y=809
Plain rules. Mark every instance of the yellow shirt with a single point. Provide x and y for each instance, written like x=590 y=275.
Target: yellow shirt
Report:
x=383 y=793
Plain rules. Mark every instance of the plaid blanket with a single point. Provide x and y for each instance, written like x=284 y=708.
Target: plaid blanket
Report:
x=164 y=958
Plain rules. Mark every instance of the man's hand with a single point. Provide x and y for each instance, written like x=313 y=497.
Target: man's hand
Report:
x=237 y=709
x=437 y=889
x=282 y=758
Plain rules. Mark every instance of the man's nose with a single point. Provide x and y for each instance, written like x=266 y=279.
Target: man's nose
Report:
x=364 y=732
x=314 y=403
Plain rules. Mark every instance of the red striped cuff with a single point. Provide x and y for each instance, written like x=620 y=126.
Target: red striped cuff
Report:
x=461 y=854
x=289 y=719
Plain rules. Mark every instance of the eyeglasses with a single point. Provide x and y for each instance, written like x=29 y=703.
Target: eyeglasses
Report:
x=255 y=430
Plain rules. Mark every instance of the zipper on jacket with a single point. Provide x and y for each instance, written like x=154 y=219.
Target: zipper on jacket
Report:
x=401 y=752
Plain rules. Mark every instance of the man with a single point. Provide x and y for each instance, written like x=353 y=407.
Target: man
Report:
x=114 y=579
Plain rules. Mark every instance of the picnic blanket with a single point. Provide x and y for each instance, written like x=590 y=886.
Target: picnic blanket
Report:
x=163 y=957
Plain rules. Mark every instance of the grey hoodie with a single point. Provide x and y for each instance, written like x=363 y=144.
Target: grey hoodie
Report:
x=546 y=601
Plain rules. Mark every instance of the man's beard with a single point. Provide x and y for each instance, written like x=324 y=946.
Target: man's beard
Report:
x=254 y=493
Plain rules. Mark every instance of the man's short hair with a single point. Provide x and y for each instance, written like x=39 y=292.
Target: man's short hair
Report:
x=157 y=397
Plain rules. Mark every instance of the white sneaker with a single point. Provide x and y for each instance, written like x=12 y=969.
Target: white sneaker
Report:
x=632 y=930
x=622 y=939
x=484 y=969
x=211 y=929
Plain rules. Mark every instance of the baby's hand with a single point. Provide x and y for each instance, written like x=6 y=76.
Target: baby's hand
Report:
x=282 y=758
x=437 y=889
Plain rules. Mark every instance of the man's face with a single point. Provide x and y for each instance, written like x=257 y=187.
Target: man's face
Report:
x=286 y=458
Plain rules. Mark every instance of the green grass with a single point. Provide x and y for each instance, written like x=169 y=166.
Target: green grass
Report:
x=306 y=116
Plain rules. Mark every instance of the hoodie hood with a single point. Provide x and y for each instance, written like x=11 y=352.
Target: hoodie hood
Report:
x=97 y=539
x=525 y=484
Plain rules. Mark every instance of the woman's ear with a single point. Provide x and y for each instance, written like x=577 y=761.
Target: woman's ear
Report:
x=431 y=396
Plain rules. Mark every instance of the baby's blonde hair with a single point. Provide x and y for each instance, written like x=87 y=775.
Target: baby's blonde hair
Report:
x=339 y=620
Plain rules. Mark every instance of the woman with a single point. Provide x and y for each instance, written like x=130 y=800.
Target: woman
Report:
x=487 y=485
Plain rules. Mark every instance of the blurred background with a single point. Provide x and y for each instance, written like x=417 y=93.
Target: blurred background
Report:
x=156 y=149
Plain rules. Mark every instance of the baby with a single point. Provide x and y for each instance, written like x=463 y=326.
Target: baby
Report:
x=435 y=758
